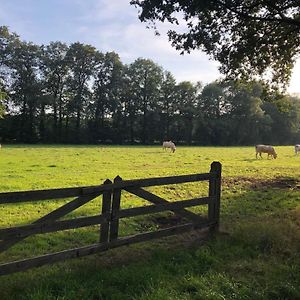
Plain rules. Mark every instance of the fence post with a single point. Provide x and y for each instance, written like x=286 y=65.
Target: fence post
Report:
x=114 y=227
x=106 y=208
x=215 y=193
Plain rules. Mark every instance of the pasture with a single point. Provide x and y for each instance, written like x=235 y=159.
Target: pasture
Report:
x=256 y=255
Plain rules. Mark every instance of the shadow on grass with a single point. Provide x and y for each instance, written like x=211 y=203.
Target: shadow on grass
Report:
x=258 y=259
x=260 y=184
x=249 y=159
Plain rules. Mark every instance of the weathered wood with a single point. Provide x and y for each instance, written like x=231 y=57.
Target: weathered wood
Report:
x=27 y=230
x=147 y=236
x=211 y=194
x=38 y=261
x=162 y=180
x=54 y=215
x=114 y=225
x=49 y=194
x=217 y=170
x=215 y=192
x=38 y=195
x=111 y=214
x=158 y=200
x=106 y=209
x=131 y=212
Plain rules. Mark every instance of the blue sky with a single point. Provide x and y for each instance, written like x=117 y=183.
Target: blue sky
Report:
x=109 y=25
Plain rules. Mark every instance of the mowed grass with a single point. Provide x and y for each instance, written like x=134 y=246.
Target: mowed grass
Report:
x=256 y=255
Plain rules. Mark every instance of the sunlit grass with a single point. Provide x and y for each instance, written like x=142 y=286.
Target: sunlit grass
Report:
x=258 y=258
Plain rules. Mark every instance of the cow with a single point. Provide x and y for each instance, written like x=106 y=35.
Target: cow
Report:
x=169 y=144
x=265 y=149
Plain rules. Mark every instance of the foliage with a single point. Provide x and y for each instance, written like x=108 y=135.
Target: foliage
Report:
x=247 y=37
x=76 y=94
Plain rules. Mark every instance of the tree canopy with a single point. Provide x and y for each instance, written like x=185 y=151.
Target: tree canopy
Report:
x=77 y=94
x=247 y=37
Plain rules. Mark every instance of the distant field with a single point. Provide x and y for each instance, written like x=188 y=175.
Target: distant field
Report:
x=259 y=258
x=36 y=167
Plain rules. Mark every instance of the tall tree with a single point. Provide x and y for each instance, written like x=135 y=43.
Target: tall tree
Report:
x=81 y=61
x=26 y=88
x=146 y=77
x=247 y=37
x=129 y=102
x=55 y=71
x=212 y=101
x=106 y=87
x=246 y=116
x=186 y=94
x=167 y=103
x=213 y=124
x=8 y=41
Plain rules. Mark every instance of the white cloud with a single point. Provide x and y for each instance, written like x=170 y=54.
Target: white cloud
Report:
x=131 y=39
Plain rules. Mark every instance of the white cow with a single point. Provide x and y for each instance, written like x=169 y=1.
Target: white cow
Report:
x=297 y=149
x=169 y=144
x=265 y=149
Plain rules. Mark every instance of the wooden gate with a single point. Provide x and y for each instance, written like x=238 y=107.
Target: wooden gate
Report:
x=110 y=215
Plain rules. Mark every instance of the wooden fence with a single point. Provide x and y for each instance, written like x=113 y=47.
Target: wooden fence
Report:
x=110 y=215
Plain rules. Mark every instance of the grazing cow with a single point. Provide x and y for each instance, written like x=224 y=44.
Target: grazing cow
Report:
x=265 y=149
x=297 y=149
x=170 y=145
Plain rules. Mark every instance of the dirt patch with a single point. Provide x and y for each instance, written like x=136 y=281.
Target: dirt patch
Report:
x=260 y=183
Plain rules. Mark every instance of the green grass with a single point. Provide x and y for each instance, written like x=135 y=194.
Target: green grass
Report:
x=257 y=258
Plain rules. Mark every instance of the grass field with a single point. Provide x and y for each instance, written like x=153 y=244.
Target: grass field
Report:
x=256 y=255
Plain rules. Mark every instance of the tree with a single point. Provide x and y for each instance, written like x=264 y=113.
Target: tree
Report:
x=186 y=95
x=146 y=78
x=246 y=116
x=285 y=127
x=167 y=104
x=213 y=102
x=26 y=87
x=55 y=70
x=248 y=37
x=212 y=120
x=81 y=61
x=129 y=102
x=106 y=87
x=8 y=41
x=231 y=113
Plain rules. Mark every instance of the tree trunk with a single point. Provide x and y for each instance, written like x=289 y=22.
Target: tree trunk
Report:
x=42 y=123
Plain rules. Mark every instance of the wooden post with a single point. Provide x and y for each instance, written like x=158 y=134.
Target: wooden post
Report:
x=215 y=192
x=106 y=208
x=114 y=227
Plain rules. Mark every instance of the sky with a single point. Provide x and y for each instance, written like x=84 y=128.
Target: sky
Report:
x=109 y=25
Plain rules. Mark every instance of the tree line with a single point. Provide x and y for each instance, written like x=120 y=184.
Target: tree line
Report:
x=59 y=93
